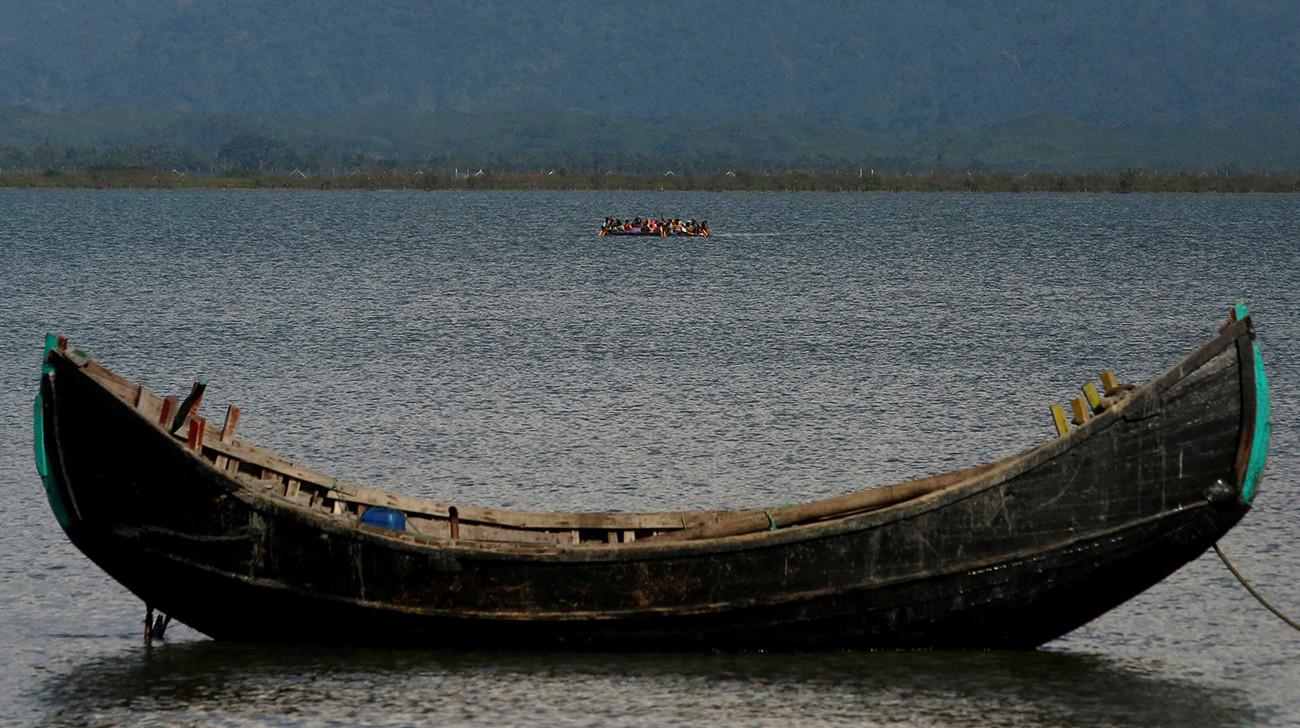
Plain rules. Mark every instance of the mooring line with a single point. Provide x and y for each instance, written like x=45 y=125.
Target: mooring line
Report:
x=1252 y=591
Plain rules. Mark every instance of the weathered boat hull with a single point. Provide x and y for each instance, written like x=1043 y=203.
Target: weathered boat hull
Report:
x=1010 y=557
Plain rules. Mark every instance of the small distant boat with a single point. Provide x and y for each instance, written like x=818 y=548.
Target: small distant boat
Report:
x=657 y=228
x=242 y=544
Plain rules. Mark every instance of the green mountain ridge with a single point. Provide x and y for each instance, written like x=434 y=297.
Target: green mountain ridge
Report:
x=959 y=83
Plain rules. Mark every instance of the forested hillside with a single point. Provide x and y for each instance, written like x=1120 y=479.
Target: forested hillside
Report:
x=933 y=80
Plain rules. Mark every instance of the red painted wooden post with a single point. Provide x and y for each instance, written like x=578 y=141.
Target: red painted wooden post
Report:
x=232 y=419
x=197 y=425
x=168 y=407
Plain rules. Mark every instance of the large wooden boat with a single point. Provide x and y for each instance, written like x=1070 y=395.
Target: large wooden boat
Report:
x=243 y=545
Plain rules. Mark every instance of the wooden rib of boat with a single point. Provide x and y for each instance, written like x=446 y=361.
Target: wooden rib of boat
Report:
x=244 y=545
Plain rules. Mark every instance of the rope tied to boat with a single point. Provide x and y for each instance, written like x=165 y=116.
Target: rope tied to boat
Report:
x=1252 y=591
x=771 y=522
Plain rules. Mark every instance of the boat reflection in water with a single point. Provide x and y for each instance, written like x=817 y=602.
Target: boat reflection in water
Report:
x=406 y=687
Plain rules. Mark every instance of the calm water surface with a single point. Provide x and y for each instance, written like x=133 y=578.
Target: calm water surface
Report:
x=489 y=348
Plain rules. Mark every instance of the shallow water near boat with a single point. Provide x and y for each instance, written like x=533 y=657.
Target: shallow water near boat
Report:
x=491 y=349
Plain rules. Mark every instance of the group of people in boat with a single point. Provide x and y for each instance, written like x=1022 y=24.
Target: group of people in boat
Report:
x=651 y=226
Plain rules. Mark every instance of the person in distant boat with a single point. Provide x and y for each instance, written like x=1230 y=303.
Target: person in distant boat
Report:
x=704 y=227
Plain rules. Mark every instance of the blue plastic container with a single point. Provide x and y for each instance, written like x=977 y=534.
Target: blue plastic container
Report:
x=384 y=518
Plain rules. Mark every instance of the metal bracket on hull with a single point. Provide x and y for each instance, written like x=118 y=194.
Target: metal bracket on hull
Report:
x=155 y=627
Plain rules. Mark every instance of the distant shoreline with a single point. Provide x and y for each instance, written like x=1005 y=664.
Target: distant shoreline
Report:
x=794 y=181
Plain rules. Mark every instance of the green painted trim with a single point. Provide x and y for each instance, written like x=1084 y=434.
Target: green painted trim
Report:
x=51 y=343
x=47 y=478
x=38 y=439
x=1241 y=310
x=38 y=442
x=1259 y=446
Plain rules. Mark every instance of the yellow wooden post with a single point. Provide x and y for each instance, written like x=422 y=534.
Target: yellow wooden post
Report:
x=1081 y=413
x=1109 y=384
x=1058 y=416
x=1090 y=393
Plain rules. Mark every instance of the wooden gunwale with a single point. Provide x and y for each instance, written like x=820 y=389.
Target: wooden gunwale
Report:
x=237 y=453
x=735 y=529
x=986 y=476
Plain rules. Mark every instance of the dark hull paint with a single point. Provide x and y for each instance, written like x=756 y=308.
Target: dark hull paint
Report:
x=1011 y=558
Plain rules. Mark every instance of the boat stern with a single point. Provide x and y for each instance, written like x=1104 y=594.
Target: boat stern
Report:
x=1256 y=429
